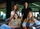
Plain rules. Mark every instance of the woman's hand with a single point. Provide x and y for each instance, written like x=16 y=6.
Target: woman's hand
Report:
x=11 y=26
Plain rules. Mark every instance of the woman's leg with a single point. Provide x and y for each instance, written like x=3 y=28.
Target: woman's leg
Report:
x=5 y=26
x=1 y=28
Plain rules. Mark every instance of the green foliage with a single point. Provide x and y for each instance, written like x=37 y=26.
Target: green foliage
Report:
x=4 y=10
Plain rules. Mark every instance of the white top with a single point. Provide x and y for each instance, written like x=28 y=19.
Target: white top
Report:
x=18 y=12
x=12 y=13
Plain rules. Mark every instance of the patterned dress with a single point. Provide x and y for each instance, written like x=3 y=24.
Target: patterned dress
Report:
x=15 y=22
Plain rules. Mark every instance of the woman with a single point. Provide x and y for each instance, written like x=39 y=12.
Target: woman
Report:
x=14 y=23
x=30 y=21
x=15 y=10
x=25 y=10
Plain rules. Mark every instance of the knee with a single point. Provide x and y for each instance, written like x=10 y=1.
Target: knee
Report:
x=5 y=26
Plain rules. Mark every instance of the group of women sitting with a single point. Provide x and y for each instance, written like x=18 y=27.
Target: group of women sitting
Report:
x=15 y=22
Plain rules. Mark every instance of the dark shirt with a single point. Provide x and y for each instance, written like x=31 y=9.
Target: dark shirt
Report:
x=25 y=12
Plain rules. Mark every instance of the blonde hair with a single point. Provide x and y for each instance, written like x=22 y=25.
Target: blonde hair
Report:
x=32 y=18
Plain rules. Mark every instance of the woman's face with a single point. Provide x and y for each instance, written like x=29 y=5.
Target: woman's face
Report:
x=30 y=15
x=26 y=4
x=15 y=16
x=15 y=7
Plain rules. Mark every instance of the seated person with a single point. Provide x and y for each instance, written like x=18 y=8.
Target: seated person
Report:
x=14 y=23
x=30 y=21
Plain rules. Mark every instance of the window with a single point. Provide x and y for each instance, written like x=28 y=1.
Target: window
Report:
x=3 y=13
x=35 y=14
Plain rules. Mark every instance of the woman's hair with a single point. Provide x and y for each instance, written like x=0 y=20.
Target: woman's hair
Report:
x=24 y=4
x=32 y=18
x=14 y=6
x=14 y=15
x=17 y=8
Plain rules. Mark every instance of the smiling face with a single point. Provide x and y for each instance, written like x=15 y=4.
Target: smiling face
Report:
x=15 y=16
x=30 y=15
x=15 y=7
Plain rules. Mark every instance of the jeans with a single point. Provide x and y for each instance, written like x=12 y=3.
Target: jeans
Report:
x=4 y=26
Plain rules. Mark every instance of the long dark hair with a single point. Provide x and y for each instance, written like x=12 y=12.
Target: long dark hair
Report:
x=14 y=15
x=24 y=4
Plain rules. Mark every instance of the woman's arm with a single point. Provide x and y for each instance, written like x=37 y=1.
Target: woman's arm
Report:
x=37 y=22
x=24 y=25
x=9 y=21
x=12 y=13
x=10 y=24
x=13 y=26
